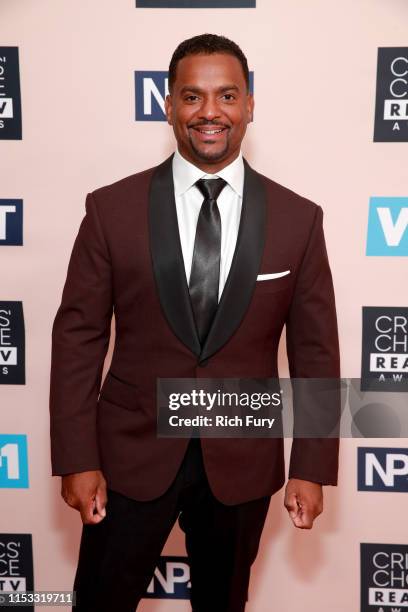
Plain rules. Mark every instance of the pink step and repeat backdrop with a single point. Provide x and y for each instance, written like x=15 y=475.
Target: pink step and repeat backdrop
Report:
x=81 y=105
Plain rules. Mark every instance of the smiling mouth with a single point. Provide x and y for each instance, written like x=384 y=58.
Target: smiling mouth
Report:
x=210 y=132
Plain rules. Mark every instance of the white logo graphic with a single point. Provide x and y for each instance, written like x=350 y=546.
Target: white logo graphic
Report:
x=150 y=91
x=3 y=212
x=393 y=232
x=176 y=572
x=6 y=108
x=10 y=452
x=395 y=108
x=396 y=465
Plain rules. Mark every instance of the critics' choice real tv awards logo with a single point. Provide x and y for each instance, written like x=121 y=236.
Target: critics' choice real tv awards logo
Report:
x=13 y=461
x=12 y=344
x=11 y=222
x=171 y=579
x=387 y=232
x=195 y=3
x=383 y=469
x=151 y=89
x=16 y=565
x=391 y=107
x=384 y=349
x=384 y=577
x=10 y=97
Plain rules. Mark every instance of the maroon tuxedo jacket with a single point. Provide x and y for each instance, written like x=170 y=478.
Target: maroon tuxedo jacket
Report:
x=127 y=259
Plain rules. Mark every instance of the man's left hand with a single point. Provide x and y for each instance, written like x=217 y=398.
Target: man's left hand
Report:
x=303 y=501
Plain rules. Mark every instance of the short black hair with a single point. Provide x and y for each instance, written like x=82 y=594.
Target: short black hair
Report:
x=206 y=44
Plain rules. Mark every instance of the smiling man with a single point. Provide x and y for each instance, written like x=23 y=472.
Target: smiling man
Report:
x=204 y=261
x=209 y=105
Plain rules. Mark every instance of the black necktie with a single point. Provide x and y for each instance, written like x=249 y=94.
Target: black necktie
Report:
x=205 y=267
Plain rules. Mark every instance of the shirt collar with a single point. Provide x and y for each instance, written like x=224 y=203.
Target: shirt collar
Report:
x=185 y=174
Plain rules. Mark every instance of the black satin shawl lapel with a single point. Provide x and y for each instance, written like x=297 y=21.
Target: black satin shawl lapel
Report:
x=167 y=257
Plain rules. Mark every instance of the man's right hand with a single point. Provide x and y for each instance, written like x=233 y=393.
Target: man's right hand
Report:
x=86 y=491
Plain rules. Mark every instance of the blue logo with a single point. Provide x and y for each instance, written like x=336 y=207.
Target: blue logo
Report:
x=11 y=222
x=171 y=579
x=13 y=461
x=151 y=89
x=383 y=469
x=387 y=227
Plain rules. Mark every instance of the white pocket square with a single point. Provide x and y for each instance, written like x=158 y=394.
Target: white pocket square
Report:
x=262 y=277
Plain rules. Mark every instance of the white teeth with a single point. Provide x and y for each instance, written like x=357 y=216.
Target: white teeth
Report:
x=210 y=131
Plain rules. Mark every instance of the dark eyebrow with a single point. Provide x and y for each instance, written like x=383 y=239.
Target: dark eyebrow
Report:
x=197 y=90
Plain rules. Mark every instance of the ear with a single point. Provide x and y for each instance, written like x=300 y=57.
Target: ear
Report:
x=168 y=109
x=250 y=107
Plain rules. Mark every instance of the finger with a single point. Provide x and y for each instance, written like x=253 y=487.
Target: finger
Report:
x=100 y=501
x=96 y=518
x=87 y=511
x=291 y=505
x=305 y=518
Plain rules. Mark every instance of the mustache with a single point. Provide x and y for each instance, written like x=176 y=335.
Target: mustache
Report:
x=208 y=124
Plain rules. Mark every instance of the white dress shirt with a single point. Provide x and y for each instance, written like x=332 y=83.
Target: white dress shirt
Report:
x=188 y=203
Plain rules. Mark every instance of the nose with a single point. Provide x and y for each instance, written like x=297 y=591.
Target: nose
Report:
x=209 y=109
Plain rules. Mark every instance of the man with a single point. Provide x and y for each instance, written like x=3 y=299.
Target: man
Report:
x=179 y=251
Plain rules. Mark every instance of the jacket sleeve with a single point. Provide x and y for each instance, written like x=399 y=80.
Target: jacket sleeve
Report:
x=313 y=353
x=80 y=339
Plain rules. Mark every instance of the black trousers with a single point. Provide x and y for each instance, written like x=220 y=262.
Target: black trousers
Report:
x=118 y=556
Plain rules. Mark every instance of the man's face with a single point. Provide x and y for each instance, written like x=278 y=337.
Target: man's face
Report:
x=209 y=109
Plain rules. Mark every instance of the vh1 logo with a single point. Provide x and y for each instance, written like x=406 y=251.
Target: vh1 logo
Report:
x=195 y=3
x=13 y=461
x=171 y=579
x=388 y=227
x=383 y=469
x=151 y=89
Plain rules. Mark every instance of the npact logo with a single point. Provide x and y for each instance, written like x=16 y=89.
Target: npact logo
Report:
x=151 y=89
x=11 y=222
x=171 y=579
x=387 y=232
x=13 y=461
x=383 y=469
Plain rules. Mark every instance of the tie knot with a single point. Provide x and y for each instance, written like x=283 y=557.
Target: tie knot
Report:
x=211 y=188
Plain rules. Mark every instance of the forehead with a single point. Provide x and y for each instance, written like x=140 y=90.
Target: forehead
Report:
x=212 y=70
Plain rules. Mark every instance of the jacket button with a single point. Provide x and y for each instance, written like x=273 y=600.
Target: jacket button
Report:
x=203 y=363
